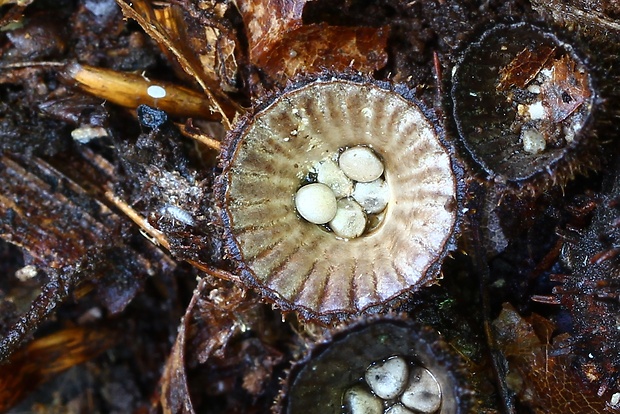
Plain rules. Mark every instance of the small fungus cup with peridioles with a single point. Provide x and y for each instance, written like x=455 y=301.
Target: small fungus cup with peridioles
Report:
x=339 y=196
x=379 y=365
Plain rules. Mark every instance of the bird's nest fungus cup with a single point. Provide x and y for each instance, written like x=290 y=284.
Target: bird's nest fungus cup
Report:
x=385 y=365
x=338 y=196
x=523 y=105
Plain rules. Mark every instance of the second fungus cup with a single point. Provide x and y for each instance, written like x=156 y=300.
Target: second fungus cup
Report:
x=383 y=365
x=368 y=149
x=523 y=105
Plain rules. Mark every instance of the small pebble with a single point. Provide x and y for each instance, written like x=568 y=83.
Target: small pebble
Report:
x=361 y=164
x=536 y=110
x=86 y=133
x=571 y=131
x=372 y=196
x=331 y=175
x=316 y=203
x=398 y=409
x=360 y=401
x=388 y=379
x=533 y=141
x=534 y=89
x=350 y=220
x=423 y=393
x=26 y=273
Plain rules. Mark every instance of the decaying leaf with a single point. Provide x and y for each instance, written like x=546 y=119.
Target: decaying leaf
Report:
x=69 y=236
x=541 y=370
x=211 y=320
x=62 y=231
x=268 y=21
x=567 y=90
x=67 y=239
x=282 y=46
x=175 y=396
x=17 y=2
x=46 y=357
x=524 y=67
x=319 y=47
x=215 y=42
x=14 y=13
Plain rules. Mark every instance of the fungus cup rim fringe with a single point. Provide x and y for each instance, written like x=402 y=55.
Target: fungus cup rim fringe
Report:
x=227 y=163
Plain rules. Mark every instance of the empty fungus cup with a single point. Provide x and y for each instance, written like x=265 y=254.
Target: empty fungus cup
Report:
x=523 y=103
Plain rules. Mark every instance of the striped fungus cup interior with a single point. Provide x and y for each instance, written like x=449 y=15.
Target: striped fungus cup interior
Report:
x=308 y=266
